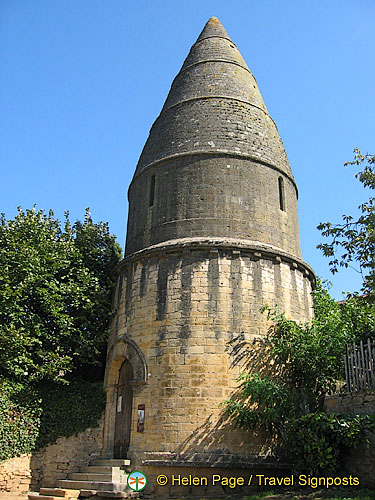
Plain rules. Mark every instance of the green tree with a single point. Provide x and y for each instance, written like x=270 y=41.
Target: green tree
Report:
x=307 y=362
x=354 y=239
x=56 y=284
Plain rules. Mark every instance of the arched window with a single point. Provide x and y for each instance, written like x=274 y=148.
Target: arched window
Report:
x=281 y=194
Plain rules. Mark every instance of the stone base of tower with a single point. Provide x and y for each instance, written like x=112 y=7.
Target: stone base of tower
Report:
x=188 y=321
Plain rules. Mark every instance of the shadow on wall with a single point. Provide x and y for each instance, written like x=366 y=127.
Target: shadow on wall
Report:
x=218 y=429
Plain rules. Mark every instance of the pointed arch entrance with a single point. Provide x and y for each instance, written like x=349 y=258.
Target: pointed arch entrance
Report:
x=123 y=410
x=124 y=350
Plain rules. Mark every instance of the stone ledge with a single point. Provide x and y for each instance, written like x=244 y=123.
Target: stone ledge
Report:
x=242 y=246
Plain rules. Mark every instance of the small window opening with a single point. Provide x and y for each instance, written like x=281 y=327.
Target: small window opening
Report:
x=152 y=190
x=281 y=194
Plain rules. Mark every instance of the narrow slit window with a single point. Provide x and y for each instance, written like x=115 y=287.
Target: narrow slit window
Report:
x=152 y=190
x=281 y=194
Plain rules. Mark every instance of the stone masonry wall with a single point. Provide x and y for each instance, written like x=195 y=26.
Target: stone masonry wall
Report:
x=359 y=462
x=212 y=196
x=352 y=403
x=45 y=467
x=15 y=475
x=182 y=310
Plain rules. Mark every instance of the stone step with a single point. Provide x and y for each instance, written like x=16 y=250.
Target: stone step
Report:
x=86 y=485
x=109 y=494
x=88 y=476
x=37 y=496
x=111 y=462
x=119 y=494
x=91 y=485
x=98 y=469
x=53 y=493
x=87 y=493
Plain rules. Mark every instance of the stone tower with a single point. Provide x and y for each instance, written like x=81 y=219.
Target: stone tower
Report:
x=212 y=236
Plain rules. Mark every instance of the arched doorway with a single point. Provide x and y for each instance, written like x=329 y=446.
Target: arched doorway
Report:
x=123 y=410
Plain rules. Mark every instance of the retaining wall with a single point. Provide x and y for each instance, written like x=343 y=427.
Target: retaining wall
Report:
x=45 y=467
x=360 y=461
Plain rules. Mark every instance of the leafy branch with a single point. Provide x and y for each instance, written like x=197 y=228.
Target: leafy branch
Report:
x=355 y=238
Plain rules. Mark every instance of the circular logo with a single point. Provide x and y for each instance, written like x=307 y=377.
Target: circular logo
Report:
x=137 y=481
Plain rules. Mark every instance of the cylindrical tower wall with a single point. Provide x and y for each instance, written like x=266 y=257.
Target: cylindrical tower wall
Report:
x=183 y=308
x=217 y=195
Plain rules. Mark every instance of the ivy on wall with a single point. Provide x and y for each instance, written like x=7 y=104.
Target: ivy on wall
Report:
x=69 y=409
x=19 y=429
x=34 y=416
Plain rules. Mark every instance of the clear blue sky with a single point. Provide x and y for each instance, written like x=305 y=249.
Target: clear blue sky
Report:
x=83 y=80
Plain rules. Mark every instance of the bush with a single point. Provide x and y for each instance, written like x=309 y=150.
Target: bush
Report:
x=304 y=363
x=318 y=441
x=56 y=283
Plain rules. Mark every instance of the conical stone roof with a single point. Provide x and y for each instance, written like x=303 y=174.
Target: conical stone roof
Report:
x=214 y=106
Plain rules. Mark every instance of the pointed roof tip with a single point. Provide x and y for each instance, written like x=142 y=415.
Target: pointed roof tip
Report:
x=213 y=28
x=214 y=19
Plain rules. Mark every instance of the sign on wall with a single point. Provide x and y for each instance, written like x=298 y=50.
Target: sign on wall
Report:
x=141 y=418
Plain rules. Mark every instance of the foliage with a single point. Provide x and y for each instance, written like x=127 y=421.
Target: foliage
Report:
x=355 y=237
x=56 y=287
x=310 y=356
x=307 y=362
x=32 y=416
x=358 y=315
x=19 y=425
x=318 y=441
x=100 y=255
x=343 y=493
x=261 y=494
x=69 y=409
x=263 y=403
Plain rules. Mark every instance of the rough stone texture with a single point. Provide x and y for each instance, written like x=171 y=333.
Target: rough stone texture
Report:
x=352 y=403
x=181 y=318
x=215 y=196
x=238 y=129
x=214 y=105
x=359 y=462
x=15 y=475
x=45 y=467
x=212 y=237
x=215 y=156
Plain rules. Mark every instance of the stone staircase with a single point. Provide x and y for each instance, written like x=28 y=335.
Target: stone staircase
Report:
x=103 y=478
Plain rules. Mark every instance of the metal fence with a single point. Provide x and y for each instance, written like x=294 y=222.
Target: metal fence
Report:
x=360 y=366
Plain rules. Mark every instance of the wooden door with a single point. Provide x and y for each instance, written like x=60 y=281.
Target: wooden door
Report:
x=123 y=410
